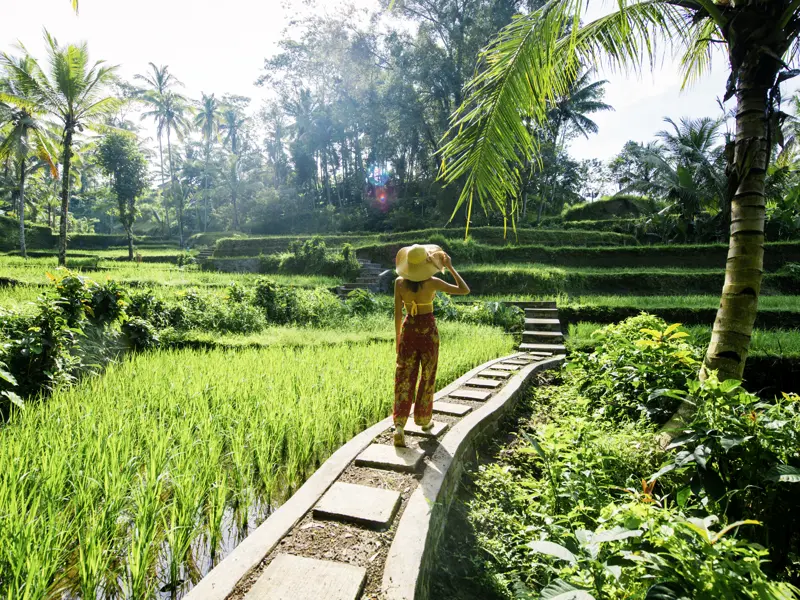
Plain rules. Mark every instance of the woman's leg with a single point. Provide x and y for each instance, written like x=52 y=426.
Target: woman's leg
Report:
x=405 y=379
x=423 y=406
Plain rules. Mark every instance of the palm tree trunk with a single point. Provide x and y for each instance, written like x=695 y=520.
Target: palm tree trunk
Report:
x=172 y=191
x=205 y=190
x=733 y=326
x=161 y=160
x=65 y=175
x=22 y=250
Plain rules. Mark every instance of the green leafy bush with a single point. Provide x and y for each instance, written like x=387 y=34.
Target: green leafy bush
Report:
x=635 y=368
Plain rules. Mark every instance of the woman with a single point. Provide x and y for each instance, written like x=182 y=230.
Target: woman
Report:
x=417 y=339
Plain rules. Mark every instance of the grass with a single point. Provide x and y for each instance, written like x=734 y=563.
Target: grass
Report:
x=34 y=270
x=141 y=479
x=777 y=343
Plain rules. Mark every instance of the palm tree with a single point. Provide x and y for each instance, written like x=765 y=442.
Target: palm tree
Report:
x=73 y=91
x=207 y=121
x=24 y=130
x=532 y=61
x=160 y=81
x=232 y=124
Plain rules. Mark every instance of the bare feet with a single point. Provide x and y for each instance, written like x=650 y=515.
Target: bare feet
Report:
x=399 y=437
x=427 y=427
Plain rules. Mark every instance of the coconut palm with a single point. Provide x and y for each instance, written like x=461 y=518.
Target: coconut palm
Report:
x=231 y=124
x=207 y=121
x=72 y=90
x=24 y=130
x=532 y=61
x=159 y=82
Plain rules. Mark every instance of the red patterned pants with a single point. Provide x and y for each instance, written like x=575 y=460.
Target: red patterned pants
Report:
x=419 y=350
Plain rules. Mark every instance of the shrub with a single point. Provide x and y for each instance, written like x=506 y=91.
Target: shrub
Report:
x=635 y=367
x=140 y=334
x=37 y=237
x=623 y=205
x=362 y=302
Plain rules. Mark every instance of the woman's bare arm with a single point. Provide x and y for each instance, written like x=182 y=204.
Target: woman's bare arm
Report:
x=461 y=289
x=398 y=313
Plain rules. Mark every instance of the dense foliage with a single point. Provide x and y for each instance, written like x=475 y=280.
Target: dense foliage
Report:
x=586 y=501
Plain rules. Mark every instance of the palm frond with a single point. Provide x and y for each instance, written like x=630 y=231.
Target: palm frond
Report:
x=532 y=62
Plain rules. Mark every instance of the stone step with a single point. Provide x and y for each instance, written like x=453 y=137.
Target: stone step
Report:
x=505 y=367
x=382 y=456
x=495 y=373
x=527 y=304
x=360 y=504
x=542 y=336
x=367 y=280
x=354 y=286
x=520 y=360
x=484 y=383
x=467 y=394
x=543 y=324
x=541 y=313
x=554 y=348
x=434 y=432
x=299 y=578
x=449 y=408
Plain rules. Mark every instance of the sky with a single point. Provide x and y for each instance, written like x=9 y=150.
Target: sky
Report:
x=219 y=46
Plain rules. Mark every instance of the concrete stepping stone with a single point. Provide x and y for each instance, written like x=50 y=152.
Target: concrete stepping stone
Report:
x=544 y=347
x=484 y=383
x=448 y=408
x=465 y=394
x=521 y=361
x=505 y=367
x=291 y=577
x=543 y=324
x=382 y=456
x=360 y=504
x=495 y=373
x=434 y=432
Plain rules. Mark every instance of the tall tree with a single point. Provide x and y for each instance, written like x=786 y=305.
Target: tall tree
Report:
x=24 y=130
x=126 y=165
x=533 y=59
x=73 y=90
x=232 y=124
x=207 y=121
x=159 y=83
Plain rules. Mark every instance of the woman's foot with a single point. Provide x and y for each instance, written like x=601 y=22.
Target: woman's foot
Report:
x=427 y=427
x=399 y=437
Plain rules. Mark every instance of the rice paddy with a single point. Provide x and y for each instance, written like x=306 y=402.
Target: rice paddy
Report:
x=34 y=271
x=140 y=480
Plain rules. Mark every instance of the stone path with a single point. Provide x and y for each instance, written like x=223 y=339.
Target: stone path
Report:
x=368 y=279
x=376 y=509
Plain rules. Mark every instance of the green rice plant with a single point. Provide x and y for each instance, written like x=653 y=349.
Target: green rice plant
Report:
x=169 y=452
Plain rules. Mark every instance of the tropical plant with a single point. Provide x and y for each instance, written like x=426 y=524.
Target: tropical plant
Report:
x=159 y=81
x=207 y=121
x=73 y=91
x=121 y=158
x=25 y=132
x=533 y=60
x=231 y=124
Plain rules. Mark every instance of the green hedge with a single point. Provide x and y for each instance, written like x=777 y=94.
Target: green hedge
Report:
x=37 y=237
x=102 y=241
x=631 y=283
x=499 y=237
x=776 y=255
x=765 y=319
x=209 y=238
x=253 y=246
x=621 y=205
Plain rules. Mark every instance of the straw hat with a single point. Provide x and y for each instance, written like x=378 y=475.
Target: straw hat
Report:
x=419 y=262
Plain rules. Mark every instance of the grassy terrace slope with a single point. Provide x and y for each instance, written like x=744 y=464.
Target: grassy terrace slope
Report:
x=532 y=279
x=160 y=465
x=253 y=246
x=711 y=256
x=33 y=271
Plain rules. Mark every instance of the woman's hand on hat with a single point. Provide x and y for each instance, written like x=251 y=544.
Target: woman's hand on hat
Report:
x=446 y=260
